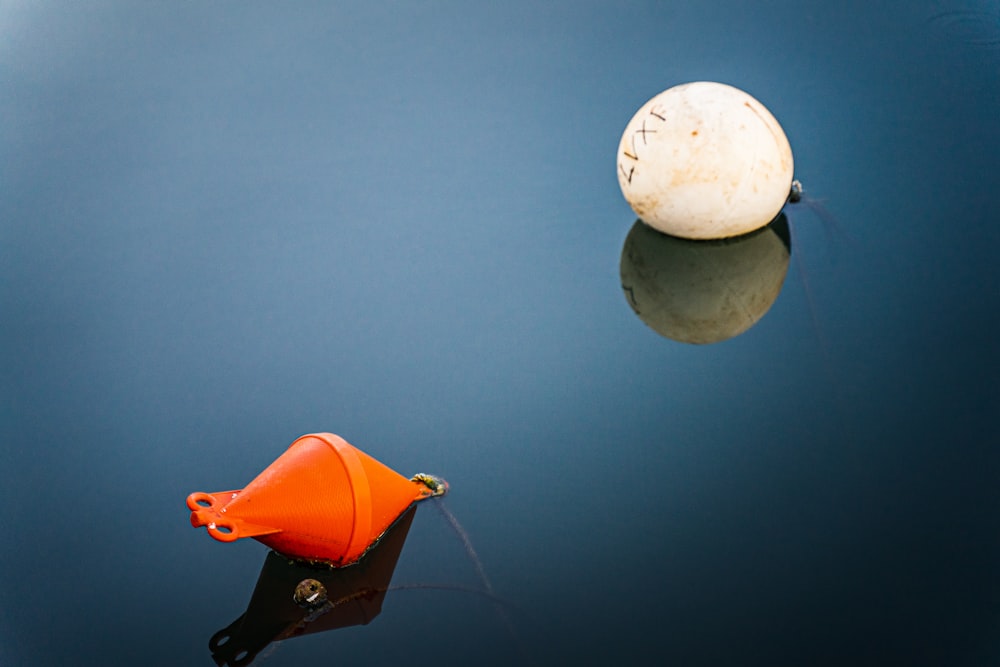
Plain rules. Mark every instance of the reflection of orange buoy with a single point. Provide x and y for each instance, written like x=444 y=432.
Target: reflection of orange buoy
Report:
x=322 y=500
x=293 y=598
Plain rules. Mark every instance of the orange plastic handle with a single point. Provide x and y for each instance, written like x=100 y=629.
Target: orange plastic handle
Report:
x=205 y=512
x=224 y=531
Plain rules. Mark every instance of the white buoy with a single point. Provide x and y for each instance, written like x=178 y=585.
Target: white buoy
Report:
x=704 y=160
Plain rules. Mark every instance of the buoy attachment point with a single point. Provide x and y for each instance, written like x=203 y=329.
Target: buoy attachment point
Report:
x=795 y=196
x=436 y=485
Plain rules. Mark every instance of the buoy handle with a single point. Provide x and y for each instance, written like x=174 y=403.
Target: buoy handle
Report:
x=200 y=500
x=207 y=509
x=224 y=531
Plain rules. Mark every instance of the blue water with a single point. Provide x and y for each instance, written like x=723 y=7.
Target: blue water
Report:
x=224 y=225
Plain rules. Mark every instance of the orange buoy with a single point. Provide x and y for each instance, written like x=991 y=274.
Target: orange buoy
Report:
x=322 y=500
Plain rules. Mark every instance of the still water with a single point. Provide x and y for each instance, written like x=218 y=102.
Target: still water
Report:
x=225 y=225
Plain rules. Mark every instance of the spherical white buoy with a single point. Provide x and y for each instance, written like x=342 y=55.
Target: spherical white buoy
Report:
x=705 y=160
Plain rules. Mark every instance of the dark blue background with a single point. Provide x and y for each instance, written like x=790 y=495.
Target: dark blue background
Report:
x=223 y=225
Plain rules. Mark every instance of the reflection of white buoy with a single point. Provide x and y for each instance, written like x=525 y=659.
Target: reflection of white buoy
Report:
x=704 y=291
x=705 y=160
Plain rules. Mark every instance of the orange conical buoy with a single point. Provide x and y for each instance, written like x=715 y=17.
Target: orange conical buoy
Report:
x=321 y=500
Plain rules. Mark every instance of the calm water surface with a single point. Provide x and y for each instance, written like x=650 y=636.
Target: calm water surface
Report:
x=225 y=225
